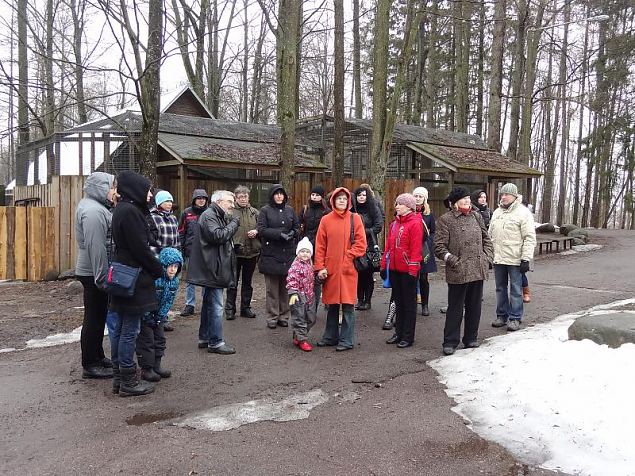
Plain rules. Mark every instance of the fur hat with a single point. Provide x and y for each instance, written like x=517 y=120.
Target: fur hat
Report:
x=421 y=191
x=509 y=189
x=304 y=244
x=407 y=199
x=457 y=193
x=319 y=190
x=163 y=196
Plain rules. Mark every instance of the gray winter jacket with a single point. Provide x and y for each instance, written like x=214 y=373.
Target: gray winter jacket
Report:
x=93 y=220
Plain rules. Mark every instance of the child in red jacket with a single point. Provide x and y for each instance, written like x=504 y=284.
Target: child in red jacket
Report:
x=300 y=281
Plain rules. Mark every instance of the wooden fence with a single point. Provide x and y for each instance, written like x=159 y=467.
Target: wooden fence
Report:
x=26 y=235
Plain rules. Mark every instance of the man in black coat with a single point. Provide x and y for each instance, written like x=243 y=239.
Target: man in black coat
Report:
x=213 y=266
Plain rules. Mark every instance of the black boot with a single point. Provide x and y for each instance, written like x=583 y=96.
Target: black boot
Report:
x=424 y=310
x=131 y=385
x=116 y=379
x=390 y=317
x=163 y=373
x=150 y=375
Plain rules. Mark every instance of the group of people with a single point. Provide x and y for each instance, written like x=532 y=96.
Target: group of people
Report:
x=320 y=255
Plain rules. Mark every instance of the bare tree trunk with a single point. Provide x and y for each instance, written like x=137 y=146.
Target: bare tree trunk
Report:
x=77 y=12
x=433 y=68
x=420 y=71
x=244 y=96
x=481 y=70
x=256 y=80
x=338 y=95
x=564 y=142
x=197 y=23
x=462 y=59
x=23 y=77
x=357 y=70
x=517 y=78
x=496 y=78
x=550 y=137
x=576 y=182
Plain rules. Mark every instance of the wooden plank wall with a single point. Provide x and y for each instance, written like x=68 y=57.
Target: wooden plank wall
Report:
x=25 y=243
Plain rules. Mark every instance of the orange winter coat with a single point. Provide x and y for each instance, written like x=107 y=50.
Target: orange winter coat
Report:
x=334 y=252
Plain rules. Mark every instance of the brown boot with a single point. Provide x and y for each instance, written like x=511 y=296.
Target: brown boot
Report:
x=526 y=294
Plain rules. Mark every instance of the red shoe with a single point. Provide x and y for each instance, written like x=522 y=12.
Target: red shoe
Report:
x=296 y=342
x=305 y=346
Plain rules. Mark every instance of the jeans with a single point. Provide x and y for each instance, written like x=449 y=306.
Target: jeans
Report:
x=525 y=281
x=190 y=289
x=336 y=334
x=95 y=310
x=211 y=327
x=509 y=292
x=122 y=332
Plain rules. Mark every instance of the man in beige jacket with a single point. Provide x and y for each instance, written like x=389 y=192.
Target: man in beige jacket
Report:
x=514 y=237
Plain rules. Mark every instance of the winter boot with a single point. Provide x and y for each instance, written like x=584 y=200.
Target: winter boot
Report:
x=116 y=379
x=526 y=294
x=424 y=310
x=131 y=385
x=163 y=373
x=390 y=317
x=149 y=375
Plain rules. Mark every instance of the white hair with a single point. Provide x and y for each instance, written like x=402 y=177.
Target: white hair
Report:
x=218 y=195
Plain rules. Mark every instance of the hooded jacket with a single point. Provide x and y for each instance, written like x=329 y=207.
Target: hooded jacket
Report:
x=188 y=220
x=166 y=288
x=513 y=234
x=277 y=254
x=310 y=217
x=131 y=236
x=213 y=260
x=371 y=215
x=93 y=220
x=335 y=253
x=403 y=243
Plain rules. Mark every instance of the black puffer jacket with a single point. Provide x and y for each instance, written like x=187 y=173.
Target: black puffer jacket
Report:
x=276 y=254
x=131 y=236
x=188 y=220
x=371 y=216
x=310 y=217
x=212 y=257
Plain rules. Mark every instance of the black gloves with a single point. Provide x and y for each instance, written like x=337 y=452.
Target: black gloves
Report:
x=288 y=236
x=383 y=273
x=524 y=266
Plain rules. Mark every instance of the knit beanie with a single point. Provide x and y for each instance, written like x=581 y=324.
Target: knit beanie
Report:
x=304 y=244
x=509 y=189
x=421 y=191
x=163 y=196
x=406 y=199
x=457 y=193
x=319 y=190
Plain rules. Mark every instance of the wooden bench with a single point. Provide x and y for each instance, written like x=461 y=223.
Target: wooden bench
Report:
x=564 y=240
x=546 y=244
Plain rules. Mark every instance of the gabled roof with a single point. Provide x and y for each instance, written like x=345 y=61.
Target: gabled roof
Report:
x=170 y=101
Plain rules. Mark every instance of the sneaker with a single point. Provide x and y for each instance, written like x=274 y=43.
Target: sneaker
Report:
x=230 y=315
x=248 y=313
x=223 y=350
x=296 y=342
x=513 y=325
x=305 y=346
x=272 y=324
x=472 y=345
x=187 y=311
x=499 y=322
x=448 y=350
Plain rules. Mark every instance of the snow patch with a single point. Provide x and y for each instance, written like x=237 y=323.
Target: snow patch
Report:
x=228 y=417
x=581 y=249
x=55 y=339
x=563 y=405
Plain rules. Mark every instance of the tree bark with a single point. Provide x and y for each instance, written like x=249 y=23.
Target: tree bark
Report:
x=517 y=78
x=564 y=141
x=357 y=70
x=496 y=78
x=338 y=95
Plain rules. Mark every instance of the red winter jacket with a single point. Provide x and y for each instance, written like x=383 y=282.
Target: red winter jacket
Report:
x=405 y=235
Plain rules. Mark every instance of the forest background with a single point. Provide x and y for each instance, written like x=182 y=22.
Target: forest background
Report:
x=550 y=83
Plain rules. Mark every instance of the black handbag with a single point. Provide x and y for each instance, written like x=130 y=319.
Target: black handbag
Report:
x=121 y=279
x=361 y=263
x=374 y=255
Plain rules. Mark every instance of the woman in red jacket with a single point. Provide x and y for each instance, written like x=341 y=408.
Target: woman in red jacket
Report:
x=403 y=253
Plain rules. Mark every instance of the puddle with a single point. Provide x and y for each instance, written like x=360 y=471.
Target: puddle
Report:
x=228 y=417
x=145 y=418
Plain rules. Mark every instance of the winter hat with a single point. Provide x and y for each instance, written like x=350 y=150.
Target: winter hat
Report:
x=163 y=196
x=457 y=193
x=421 y=191
x=170 y=256
x=510 y=189
x=406 y=199
x=304 y=244
x=319 y=190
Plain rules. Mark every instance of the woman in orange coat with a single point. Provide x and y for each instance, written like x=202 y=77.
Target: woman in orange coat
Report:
x=334 y=254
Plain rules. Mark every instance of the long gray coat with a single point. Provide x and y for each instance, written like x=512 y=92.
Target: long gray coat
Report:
x=464 y=236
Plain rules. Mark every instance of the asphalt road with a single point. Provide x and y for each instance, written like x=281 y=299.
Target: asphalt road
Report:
x=386 y=412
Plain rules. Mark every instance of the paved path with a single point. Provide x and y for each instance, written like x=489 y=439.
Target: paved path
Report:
x=386 y=413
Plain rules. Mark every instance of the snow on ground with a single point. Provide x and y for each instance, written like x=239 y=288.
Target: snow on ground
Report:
x=559 y=404
x=581 y=249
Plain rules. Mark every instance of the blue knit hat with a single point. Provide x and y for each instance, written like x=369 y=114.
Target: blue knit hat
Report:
x=170 y=256
x=163 y=196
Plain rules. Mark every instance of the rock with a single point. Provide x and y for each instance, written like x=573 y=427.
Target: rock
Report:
x=546 y=228
x=612 y=329
x=74 y=287
x=68 y=274
x=579 y=232
x=565 y=229
x=579 y=240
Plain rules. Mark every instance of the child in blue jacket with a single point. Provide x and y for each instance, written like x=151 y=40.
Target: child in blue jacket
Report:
x=151 y=338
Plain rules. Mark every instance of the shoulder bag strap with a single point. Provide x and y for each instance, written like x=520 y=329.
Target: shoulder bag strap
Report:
x=352 y=230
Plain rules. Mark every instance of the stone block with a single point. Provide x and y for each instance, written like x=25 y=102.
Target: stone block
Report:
x=612 y=329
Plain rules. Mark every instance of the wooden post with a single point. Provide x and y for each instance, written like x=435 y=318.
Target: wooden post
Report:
x=183 y=203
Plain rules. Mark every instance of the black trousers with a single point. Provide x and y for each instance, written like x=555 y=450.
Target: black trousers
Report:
x=365 y=286
x=424 y=288
x=150 y=344
x=95 y=310
x=404 y=292
x=247 y=266
x=461 y=296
